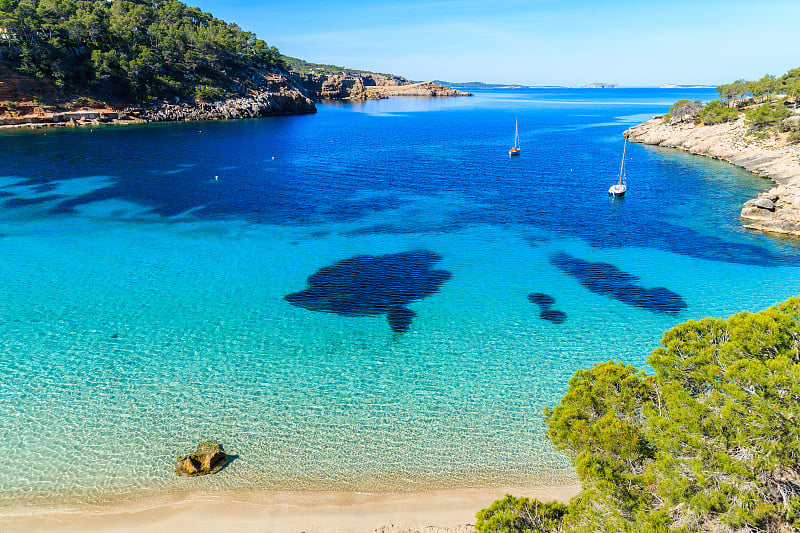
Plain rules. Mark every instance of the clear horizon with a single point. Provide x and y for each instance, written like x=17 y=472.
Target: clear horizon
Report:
x=539 y=42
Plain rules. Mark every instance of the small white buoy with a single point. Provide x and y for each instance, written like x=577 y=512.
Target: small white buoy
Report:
x=216 y=177
x=273 y=158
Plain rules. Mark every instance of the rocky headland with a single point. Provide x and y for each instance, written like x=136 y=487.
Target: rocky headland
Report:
x=368 y=86
x=278 y=93
x=776 y=210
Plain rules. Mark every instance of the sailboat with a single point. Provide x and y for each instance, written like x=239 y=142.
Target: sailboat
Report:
x=618 y=189
x=515 y=149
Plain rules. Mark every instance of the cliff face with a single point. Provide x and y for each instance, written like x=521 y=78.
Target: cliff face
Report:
x=278 y=95
x=777 y=210
x=333 y=86
x=368 y=87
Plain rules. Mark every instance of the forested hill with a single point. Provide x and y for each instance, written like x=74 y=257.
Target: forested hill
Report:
x=135 y=51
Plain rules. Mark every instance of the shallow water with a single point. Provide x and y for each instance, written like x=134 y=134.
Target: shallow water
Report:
x=146 y=269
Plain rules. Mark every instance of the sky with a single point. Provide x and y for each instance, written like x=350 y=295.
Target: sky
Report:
x=533 y=42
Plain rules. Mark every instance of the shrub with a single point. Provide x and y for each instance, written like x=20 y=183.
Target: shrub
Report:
x=715 y=112
x=767 y=115
x=511 y=515
x=683 y=111
x=710 y=442
x=208 y=94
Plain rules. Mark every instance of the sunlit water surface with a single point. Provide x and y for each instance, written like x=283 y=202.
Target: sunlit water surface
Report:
x=145 y=270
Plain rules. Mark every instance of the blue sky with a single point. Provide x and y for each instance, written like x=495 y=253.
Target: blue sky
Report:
x=533 y=42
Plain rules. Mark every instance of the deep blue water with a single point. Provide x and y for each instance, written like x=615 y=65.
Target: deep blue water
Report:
x=149 y=273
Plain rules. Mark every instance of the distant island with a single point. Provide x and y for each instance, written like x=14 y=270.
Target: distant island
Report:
x=73 y=63
x=481 y=85
x=676 y=86
x=601 y=86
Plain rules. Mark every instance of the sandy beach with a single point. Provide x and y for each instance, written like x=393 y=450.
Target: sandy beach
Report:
x=276 y=512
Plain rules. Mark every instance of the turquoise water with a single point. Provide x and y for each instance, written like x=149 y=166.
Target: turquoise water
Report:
x=144 y=300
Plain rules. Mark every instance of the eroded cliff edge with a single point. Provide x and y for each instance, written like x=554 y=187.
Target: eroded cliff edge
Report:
x=776 y=210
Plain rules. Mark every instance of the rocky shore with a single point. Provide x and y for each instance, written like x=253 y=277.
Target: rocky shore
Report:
x=777 y=210
x=277 y=94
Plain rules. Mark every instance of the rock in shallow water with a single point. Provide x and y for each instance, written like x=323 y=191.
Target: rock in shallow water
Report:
x=209 y=458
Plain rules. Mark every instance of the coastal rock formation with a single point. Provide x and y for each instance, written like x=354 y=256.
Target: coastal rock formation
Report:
x=276 y=94
x=285 y=100
x=333 y=86
x=777 y=210
x=426 y=89
x=208 y=459
x=368 y=86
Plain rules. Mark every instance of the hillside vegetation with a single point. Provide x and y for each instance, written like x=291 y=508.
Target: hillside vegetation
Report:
x=131 y=50
x=769 y=105
x=305 y=67
x=710 y=442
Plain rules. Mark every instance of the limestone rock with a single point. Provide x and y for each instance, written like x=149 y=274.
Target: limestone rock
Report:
x=209 y=458
x=367 y=86
x=764 y=203
x=775 y=210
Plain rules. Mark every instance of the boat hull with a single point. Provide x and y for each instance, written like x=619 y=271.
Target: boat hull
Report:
x=617 y=190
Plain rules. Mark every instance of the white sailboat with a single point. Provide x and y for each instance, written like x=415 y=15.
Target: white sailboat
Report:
x=515 y=149
x=618 y=189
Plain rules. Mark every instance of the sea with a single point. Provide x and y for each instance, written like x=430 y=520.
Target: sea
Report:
x=372 y=298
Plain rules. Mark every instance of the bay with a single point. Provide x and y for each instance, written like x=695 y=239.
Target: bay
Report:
x=145 y=271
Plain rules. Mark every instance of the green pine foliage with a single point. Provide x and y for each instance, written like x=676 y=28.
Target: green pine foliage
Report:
x=512 y=514
x=134 y=50
x=715 y=112
x=761 y=90
x=766 y=103
x=710 y=442
x=768 y=115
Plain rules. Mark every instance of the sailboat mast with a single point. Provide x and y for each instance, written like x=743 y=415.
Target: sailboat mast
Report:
x=622 y=164
x=516 y=132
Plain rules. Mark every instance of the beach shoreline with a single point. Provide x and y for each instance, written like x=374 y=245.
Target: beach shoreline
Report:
x=287 y=511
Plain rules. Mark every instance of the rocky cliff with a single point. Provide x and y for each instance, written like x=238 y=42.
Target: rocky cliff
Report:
x=368 y=86
x=426 y=89
x=274 y=94
x=777 y=210
x=279 y=95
